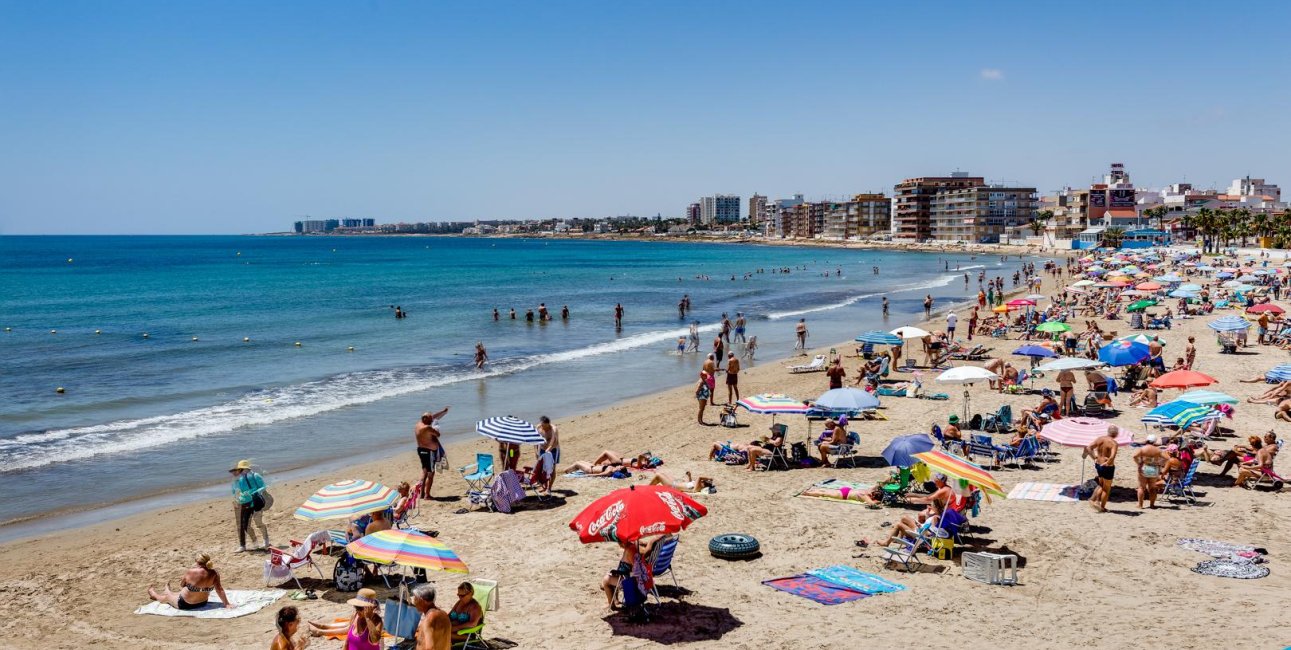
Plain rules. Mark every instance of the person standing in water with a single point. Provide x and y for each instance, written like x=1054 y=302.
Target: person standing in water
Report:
x=564 y=312
x=885 y=305
x=739 y=327
x=481 y=355
x=801 y=332
x=618 y=316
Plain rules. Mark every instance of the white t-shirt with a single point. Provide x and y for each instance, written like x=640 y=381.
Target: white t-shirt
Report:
x=951 y=320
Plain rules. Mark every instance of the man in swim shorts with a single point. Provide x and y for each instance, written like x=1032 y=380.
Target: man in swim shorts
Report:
x=732 y=378
x=1103 y=450
x=429 y=449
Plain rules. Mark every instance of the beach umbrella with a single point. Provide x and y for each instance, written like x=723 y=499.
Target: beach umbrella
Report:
x=406 y=548
x=940 y=461
x=1230 y=284
x=1076 y=290
x=1035 y=351
x=876 y=337
x=1183 y=379
x=910 y=332
x=1208 y=398
x=346 y=499
x=509 y=429
x=1169 y=278
x=1133 y=293
x=1002 y=309
x=1183 y=293
x=1247 y=277
x=1145 y=339
x=1266 y=307
x=1082 y=283
x=1181 y=414
x=966 y=375
x=1053 y=327
x=628 y=514
x=1148 y=286
x=1281 y=372
x=1223 y=275
x=1190 y=287
x=1229 y=324
x=773 y=404
x=1123 y=353
x=901 y=450
x=1140 y=305
x=845 y=400
x=1080 y=432
x=1036 y=297
x=1069 y=363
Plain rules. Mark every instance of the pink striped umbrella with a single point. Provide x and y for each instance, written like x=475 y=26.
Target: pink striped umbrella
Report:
x=1079 y=432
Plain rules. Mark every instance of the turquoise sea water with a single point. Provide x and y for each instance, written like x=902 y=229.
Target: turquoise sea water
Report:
x=143 y=415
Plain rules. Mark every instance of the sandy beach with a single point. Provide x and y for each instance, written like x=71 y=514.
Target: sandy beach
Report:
x=1099 y=580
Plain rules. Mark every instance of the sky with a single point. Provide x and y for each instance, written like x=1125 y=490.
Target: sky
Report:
x=239 y=117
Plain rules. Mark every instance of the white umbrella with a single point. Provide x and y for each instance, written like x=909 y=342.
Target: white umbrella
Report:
x=1035 y=297
x=1083 y=283
x=966 y=375
x=1069 y=363
x=910 y=332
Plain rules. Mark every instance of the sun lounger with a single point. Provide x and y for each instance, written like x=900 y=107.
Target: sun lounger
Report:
x=817 y=365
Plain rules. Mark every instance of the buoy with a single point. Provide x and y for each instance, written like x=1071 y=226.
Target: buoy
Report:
x=239 y=253
x=59 y=390
x=69 y=260
x=145 y=335
x=297 y=343
x=351 y=348
x=8 y=329
x=194 y=338
x=246 y=339
x=98 y=331
x=333 y=250
x=53 y=331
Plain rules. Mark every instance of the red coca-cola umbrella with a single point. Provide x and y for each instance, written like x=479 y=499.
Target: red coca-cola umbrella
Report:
x=631 y=513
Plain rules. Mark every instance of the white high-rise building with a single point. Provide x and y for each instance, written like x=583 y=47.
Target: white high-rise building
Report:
x=719 y=209
x=1255 y=187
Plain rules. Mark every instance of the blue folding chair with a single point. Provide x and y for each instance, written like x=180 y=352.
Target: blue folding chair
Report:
x=480 y=473
x=1182 y=488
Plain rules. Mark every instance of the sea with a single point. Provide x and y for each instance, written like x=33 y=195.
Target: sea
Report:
x=178 y=355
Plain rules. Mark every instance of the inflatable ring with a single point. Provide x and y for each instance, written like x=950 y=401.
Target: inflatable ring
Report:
x=734 y=546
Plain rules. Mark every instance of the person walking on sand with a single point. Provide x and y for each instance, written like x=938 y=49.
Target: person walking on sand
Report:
x=710 y=367
x=732 y=378
x=951 y=321
x=972 y=323
x=429 y=450
x=703 y=393
x=801 y=332
x=618 y=316
x=1150 y=460
x=1103 y=450
x=481 y=355
x=719 y=349
x=250 y=498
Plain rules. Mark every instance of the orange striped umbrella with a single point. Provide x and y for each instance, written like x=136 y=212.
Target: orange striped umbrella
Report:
x=949 y=465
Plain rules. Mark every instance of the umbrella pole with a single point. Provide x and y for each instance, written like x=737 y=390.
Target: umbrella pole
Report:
x=966 y=401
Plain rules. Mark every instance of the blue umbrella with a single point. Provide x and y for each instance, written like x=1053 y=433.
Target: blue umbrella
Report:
x=1223 y=275
x=1182 y=293
x=1180 y=413
x=1123 y=353
x=876 y=337
x=1190 y=287
x=900 y=452
x=509 y=429
x=1208 y=398
x=1229 y=324
x=1279 y=373
x=845 y=400
x=1035 y=351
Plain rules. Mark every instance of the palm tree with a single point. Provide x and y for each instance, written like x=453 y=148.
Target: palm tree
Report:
x=1158 y=213
x=1041 y=221
x=1204 y=220
x=1112 y=237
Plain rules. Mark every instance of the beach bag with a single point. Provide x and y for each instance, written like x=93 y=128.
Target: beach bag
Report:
x=347 y=574
x=401 y=618
x=258 y=502
x=799 y=451
x=728 y=420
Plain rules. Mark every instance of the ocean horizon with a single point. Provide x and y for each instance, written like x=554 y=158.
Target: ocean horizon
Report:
x=162 y=392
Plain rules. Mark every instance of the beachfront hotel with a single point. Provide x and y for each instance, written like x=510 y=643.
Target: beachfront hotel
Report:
x=912 y=202
x=980 y=214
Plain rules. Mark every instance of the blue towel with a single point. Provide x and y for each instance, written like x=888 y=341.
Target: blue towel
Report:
x=851 y=578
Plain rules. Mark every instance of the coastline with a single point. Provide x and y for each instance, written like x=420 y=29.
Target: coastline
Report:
x=550 y=598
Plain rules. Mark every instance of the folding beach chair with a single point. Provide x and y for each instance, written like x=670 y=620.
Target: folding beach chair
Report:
x=478 y=474
x=486 y=594
x=1025 y=453
x=282 y=564
x=1269 y=477
x=1182 y=488
x=1000 y=421
x=893 y=493
x=982 y=445
x=849 y=449
x=817 y=365
x=660 y=561
x=411 y=508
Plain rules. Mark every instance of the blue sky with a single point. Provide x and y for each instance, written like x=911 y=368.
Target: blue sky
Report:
x=228 y=117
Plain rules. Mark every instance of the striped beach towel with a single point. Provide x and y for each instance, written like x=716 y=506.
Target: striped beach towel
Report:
x=1044 y=492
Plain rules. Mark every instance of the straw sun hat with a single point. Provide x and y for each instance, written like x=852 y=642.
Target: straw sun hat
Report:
x=365 y=598
x=242 y=464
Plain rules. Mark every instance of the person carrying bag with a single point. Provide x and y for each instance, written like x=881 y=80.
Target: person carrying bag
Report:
x=250 y=497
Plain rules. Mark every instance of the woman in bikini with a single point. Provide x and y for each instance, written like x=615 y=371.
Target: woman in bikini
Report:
x=1151 y=461
x=690 y=485
x=466 y=612
x=195 y=587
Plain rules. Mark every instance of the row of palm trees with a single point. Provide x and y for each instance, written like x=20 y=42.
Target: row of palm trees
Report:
x=1220 y=228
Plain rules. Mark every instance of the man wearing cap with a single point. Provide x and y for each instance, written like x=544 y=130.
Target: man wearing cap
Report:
x=1151 y=463
x=434 y=632
x=249 y=499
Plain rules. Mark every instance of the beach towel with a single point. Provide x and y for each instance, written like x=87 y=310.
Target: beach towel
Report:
x=1231 y=569
x=1044 y=492
x=856 y=580
x=833 y=490
x=245 y=602
x=813 y=588
x=1213 y=548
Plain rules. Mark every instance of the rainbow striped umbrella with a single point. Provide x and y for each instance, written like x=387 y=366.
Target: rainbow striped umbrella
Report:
x=407 y=548
x=774 y=404
x=940 y=461
x=346 y=499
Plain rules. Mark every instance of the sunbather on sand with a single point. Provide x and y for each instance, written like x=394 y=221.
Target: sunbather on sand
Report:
x=194 y=588
x=608 y=457
x=1252 y=470
x=846 y=493
x=1284 y=411
x=721 y=449
x=689 y=485
x=593 y=469
x=1273 y=395
x=1146 y=398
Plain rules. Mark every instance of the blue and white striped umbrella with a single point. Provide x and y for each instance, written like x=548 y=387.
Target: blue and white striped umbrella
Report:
x=507 y=428
x=1280 y=372
x=1230 y=324
x=876 y=337
x=1181 y=414
x=1208 y=398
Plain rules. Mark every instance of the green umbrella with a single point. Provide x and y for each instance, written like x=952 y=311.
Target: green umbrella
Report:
x=1140 y=305
x=1053 y=327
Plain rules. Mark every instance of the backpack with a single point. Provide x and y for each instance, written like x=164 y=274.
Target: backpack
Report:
x=347 y=574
